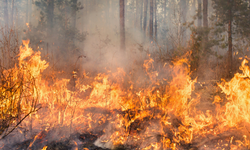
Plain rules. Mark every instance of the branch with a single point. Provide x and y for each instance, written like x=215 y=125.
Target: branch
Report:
x=20 y=122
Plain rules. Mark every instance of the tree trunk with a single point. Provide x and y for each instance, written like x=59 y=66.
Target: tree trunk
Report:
x=27 y=12
x=141 y=13
x=151 y=20
x=184 y=9
x=74 y=13
x=137 y=12
x=145 y=15
x=205 y=6
x=230 y=45
x=122 y=25
x=50 y=16
x=199 y=13
x=107 y=12
x=204 y=54
x=165 y=11
x=155 y=20
x=205 y=23
x=12 y=13
x=30 y=10
x=5 y=12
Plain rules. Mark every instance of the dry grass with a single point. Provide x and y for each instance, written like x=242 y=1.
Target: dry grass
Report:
x=15 y=89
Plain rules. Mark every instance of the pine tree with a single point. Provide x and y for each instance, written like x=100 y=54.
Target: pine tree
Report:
x=122 y=24
x=74 y=10
x=57 y=29
x=155 y=13
x=12 y=13
x=234 y=18
x=151 y=20
x=145 y=15
x=199 y=13
x=5 y=12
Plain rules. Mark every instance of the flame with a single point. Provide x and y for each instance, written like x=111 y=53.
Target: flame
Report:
x=236 y=110
x=155 y=111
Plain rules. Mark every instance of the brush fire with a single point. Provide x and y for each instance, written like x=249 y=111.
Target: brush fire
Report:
x=160 y=109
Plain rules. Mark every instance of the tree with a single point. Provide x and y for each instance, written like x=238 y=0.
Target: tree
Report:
x=155 y=19
x=141 y=13
x=74 y=10
x=235 y=15
x=56 y=31
x=199 y=13
x=12 y=12
x=5 y=12
x=183 y=6
x=151 y=20
x=27 y=12
x=50 y=16
x=30 y=8
x=137 y=12
x=122 y=25
x=205 y=6
x=145 y=15
x=204 y=51
x=165 y=10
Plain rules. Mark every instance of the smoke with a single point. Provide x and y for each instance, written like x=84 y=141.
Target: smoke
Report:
x=94 y=47
x=102 y=44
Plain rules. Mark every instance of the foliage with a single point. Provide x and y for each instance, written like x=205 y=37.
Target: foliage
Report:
x=58 y=29
x=235 y=10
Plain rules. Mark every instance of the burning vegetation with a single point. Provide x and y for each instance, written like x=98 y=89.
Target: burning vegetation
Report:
x=160 y=109
x=128 y=79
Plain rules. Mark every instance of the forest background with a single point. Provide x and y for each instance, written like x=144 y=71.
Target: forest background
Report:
x=88 y=34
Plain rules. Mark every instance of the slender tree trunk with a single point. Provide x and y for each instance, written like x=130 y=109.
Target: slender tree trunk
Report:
x=50 y=23
x=107 y=12
x=155 y=20
x=184 y=9
x=122 y=25
x=230 y=45
x=204 y=56
x=50 y=16
x=165 y=11
x=205 y=23
x=151 y=20
x=30 y=10
x=17 y=16
x=12 y=13
x=137 y=12
x=110 y=8
x=5 y=12
x=199 y=13
x=141 y=13
x=145 y=15
x=205 y=6
x=27 y=12
x=74 y=13
x=84 y=13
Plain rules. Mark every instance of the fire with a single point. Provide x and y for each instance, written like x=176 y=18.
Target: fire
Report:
x=45 y=147
x=158 y=110
x=237 y=90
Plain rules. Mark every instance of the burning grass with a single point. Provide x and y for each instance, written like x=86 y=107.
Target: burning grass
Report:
x=157 y=109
